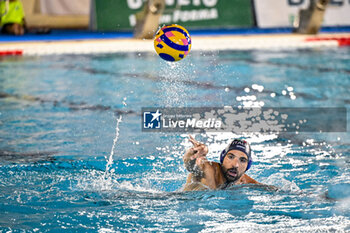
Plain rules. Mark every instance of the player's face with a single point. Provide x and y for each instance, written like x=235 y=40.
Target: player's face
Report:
x=234 y=165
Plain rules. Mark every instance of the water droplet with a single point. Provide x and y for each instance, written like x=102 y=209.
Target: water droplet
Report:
x=257 y=87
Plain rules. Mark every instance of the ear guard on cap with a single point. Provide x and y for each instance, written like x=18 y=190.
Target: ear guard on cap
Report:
x=250 y=162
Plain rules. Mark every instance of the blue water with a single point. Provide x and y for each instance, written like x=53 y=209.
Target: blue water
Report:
x=58 y=117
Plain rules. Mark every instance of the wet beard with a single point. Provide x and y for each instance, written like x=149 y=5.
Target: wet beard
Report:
x=232 y=175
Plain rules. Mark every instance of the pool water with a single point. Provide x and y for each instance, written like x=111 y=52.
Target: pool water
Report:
x=59 y=115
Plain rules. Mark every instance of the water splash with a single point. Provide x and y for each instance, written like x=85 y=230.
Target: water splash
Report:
x=107 y=177
x=110 y=159
x=279 y=180
x=173 y=87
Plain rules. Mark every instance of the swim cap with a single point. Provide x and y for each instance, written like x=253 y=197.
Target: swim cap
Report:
x=240 y=145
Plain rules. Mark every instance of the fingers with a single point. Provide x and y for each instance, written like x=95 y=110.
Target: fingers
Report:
x=194 y=141
x=199 y=148
x=196 y=149
x=200 y=151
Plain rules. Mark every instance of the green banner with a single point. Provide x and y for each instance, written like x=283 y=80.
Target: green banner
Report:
x=119 y=15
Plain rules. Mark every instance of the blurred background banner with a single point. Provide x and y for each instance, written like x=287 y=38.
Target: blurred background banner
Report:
x=65 y=7
x=112 y=15
x=281 y=13
x=120 y=15
x=61 y=14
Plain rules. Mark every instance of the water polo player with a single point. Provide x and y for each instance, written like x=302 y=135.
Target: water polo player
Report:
x=235 y=160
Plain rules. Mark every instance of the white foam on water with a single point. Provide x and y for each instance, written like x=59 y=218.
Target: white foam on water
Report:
x=144 y=187
x=105 y=230
x=279 y=180
x=278 y=224
x=342 y=206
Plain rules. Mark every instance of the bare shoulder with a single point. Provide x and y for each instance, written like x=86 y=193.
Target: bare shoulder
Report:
x=248 y=180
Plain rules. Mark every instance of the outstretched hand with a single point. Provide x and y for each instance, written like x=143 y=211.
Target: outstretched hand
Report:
x=199 y=150
x=197 y=164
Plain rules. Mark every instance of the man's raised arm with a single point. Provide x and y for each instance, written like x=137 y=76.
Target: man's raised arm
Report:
x=194 y=157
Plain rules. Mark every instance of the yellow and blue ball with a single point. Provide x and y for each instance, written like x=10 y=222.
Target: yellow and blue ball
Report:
x=172 y=42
